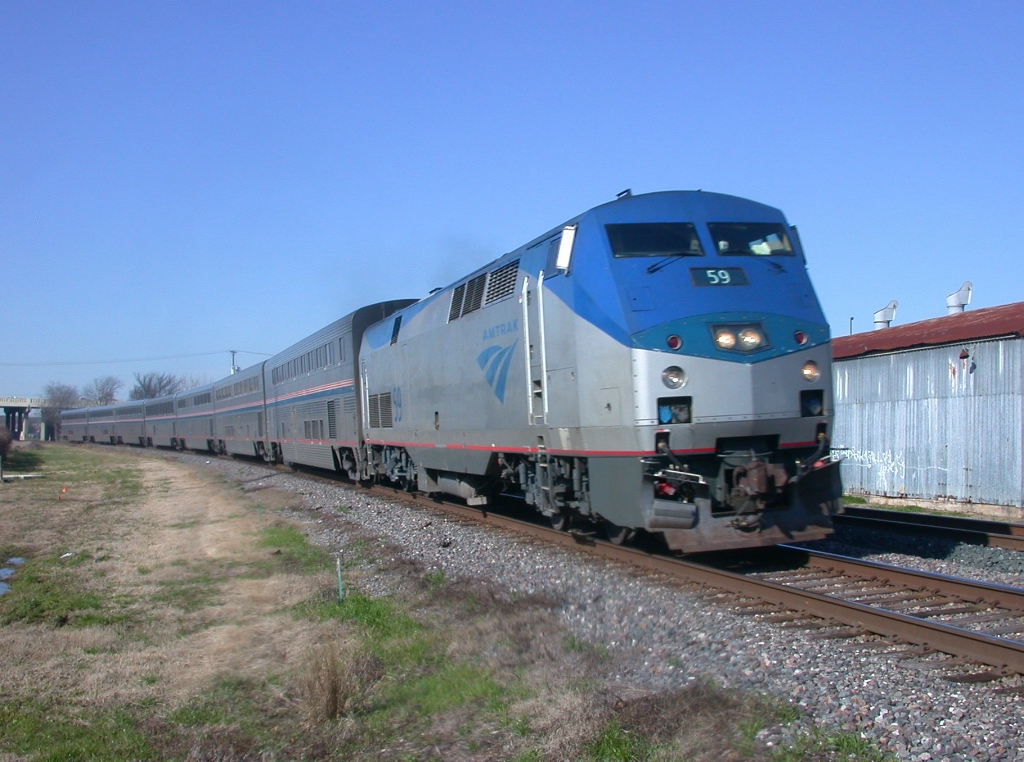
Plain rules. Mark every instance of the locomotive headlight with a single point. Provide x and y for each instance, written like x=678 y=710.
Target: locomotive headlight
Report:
x=725 y=339
x=750 y=339
x=740 y=337
x=673 y=377
x=810 y=371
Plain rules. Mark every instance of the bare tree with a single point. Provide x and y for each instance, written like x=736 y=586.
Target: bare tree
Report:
x=191 y=382
x=103 y=390
x=59 y=397
x=151 y=385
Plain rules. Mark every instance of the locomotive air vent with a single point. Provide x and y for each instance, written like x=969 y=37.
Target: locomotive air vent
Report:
x=385 y=411
x=332 y=419
x=380 y=411
x=374 y=411
x=502 y=282
x=469 y=297
x=474 y=294
x=455 y=310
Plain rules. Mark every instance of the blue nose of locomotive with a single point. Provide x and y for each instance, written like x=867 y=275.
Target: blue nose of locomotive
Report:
x=699 y=274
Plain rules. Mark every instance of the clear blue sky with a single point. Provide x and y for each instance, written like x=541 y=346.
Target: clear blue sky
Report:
x=182 y=177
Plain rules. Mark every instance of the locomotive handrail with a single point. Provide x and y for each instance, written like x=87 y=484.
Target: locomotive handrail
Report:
x=524 y=299
x=543 y=348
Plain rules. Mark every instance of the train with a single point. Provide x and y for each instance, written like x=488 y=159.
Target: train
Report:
x=659 y=364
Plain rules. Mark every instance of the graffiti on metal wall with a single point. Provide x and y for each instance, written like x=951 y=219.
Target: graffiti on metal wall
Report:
x=888 y=468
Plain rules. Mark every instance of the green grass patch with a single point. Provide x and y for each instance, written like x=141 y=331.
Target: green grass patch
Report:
x=72 y=463
x=240 y=702
x=79 y=471
x=528 y=756
x=294 y=550
x=421 y=682
x=577 y=645
x=42 y=732
x=50 y=591
x=356 y=553
x=919 y=509
x=191 y=593
x=848 y=747
x=23 y=460
x=201 y=713
x=616 y=744
x=121 y=484
x=435 y=579
x=900 y=508
x=447 y=688
x=380 y=618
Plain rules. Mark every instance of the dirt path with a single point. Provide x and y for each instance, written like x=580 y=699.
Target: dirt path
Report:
x=170 y=629
x=182 y=564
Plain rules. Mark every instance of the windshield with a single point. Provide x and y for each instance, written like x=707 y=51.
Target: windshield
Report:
x=654 y=239
x=761 y=239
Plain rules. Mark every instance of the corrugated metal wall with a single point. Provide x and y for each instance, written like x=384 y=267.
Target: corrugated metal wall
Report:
x=929 y=424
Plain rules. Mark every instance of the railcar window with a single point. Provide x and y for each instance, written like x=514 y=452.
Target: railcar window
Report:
x=313 y=360
x=759 y=239
x=654 y=239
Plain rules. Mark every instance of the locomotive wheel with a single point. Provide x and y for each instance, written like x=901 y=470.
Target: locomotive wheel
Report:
x=618 y=535
x=559 y=521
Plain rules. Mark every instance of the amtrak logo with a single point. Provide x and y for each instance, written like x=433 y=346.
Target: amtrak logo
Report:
x=494 y=362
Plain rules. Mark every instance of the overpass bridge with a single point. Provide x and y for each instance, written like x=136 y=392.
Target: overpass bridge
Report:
x=16 y=412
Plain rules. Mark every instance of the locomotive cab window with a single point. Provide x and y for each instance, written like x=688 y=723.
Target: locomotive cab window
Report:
x=654 y=239
x=759 y=239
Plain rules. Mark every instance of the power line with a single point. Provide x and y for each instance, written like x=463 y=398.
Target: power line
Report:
x=131 y=359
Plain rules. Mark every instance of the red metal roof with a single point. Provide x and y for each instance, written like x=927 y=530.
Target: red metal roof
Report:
x=989 y=322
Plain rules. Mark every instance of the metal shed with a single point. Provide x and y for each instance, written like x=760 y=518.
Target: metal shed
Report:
x=934 y=410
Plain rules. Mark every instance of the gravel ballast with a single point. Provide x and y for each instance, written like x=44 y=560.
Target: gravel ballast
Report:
x=660 y=636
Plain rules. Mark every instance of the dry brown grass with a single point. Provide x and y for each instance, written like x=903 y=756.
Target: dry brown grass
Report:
x=213 y=663
x=337 y=679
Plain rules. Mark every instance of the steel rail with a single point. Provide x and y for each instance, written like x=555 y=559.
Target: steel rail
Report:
x=1005 y=655
x=969 y=590
x=995 y=534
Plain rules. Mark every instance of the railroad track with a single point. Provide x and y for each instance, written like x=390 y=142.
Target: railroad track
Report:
x=842 y=597
x=995 y=534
